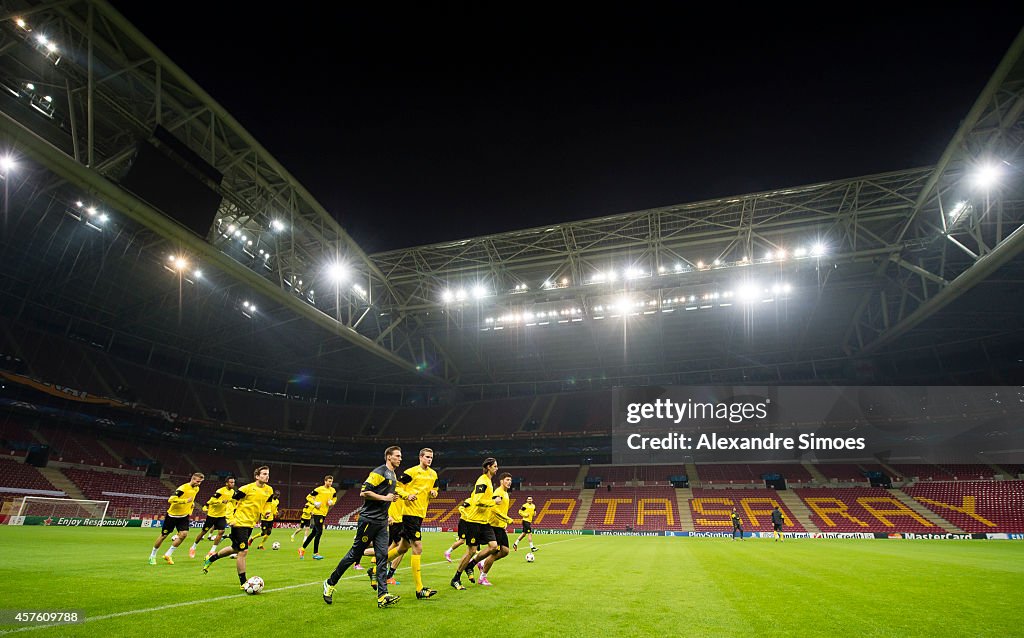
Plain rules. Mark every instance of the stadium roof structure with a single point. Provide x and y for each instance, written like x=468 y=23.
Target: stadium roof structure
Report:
x=766 y=287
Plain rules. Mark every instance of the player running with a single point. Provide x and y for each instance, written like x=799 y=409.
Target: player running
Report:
x=180 y=506
x=216 y=509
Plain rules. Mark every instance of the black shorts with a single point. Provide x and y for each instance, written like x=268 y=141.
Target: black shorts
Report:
x=267 y=527
x=303 y=523
x=411 y=528
x=318 y=521
x=240 y=538
x=462 y=529
x=527 y=527
x=501 y=536
x=777 y=526
x=216 y=522
x=479 y=533
x=172 y=523
x=395 y=532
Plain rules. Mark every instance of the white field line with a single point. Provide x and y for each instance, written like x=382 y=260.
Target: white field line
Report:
x=187 y=603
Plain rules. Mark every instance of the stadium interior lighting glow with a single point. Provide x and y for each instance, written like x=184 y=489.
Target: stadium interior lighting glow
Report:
x=231 y=228
x=781 y=254
x=79 y=204
x=7 y=164
x=679 y=267
x=41 y=39
x=986 y=175
x=479 y=292
x=818 y=250
x=337 y=272
x=51 y=47
x=447 y=296
x=30 y=86
x=21 y=23
x=238 y=233
x=460 y=294
x=718 y=262
x=800 y=252
x=700 y=264
x=198 y=274
x=179 y=262
x=91 y=210
x=104 y=217
x=958 y=209
x=277 y=225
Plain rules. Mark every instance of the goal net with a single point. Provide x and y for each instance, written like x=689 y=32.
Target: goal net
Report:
x=64 y=508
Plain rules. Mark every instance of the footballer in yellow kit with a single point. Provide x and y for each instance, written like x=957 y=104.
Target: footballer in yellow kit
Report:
x=418 y=486
x=250 y=503
x=216 y=509
x=179 y=508
x=322 y=499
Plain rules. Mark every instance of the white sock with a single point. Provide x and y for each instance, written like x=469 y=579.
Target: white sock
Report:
x=194 y=545
x=152 y=554
x=214 y=549
x=170 y=550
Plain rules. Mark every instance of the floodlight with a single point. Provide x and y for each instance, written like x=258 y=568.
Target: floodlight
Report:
x=198 y=274
x=700 y=264
x=818 y=250
x=800 y=252
x=30 y=86
x=51 y=47
x=41 y=39
x=91 y=210
x=447 y=296
x=460 y=294
x=479 y=292
x=20 y=22
x=277 y=225
x=986 y=175
x=7 y=164
x=79 y=204
x=337 y=272
x=231 y=228
x=104 y=217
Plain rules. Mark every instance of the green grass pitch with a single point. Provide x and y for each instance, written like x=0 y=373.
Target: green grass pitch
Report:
x=579 y=586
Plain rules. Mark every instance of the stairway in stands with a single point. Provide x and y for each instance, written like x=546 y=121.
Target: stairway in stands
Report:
x=61 y=482
x=926 y=513
x=799 y=509
x=683 y=496
x=586 y=500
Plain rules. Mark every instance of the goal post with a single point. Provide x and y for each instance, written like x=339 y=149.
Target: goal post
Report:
x=64 y=508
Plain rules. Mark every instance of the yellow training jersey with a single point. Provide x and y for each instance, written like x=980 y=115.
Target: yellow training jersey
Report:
x=462 y=510
x=481 y=501
x=307 y=512
x=499 y=513
x=183 y=500
x=325 y=496
x=396 y=510
x=526 y=512
x=218 y=504
x=423 y=480
x=270 y=510
x=250 y=501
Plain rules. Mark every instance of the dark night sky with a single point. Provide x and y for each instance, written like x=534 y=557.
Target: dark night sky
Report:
x=420 y=125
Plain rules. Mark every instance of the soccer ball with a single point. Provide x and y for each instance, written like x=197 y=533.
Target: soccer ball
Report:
x=530 y=557
x=275 y=545
x=254 y=585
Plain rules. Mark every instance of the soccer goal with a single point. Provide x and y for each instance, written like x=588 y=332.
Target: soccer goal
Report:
x=64 y=508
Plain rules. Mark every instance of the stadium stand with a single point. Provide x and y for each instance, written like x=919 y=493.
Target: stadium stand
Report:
x=73 y=447
x=556 y=509
x=711 y=510
x=842 y=472
x=129 y=494
x=635 y=508
x=411 y=422
x=503 y=416
x=975 y=506
x=920 y=471
x=17 y=475
x=580 y=412
x=862 y=509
